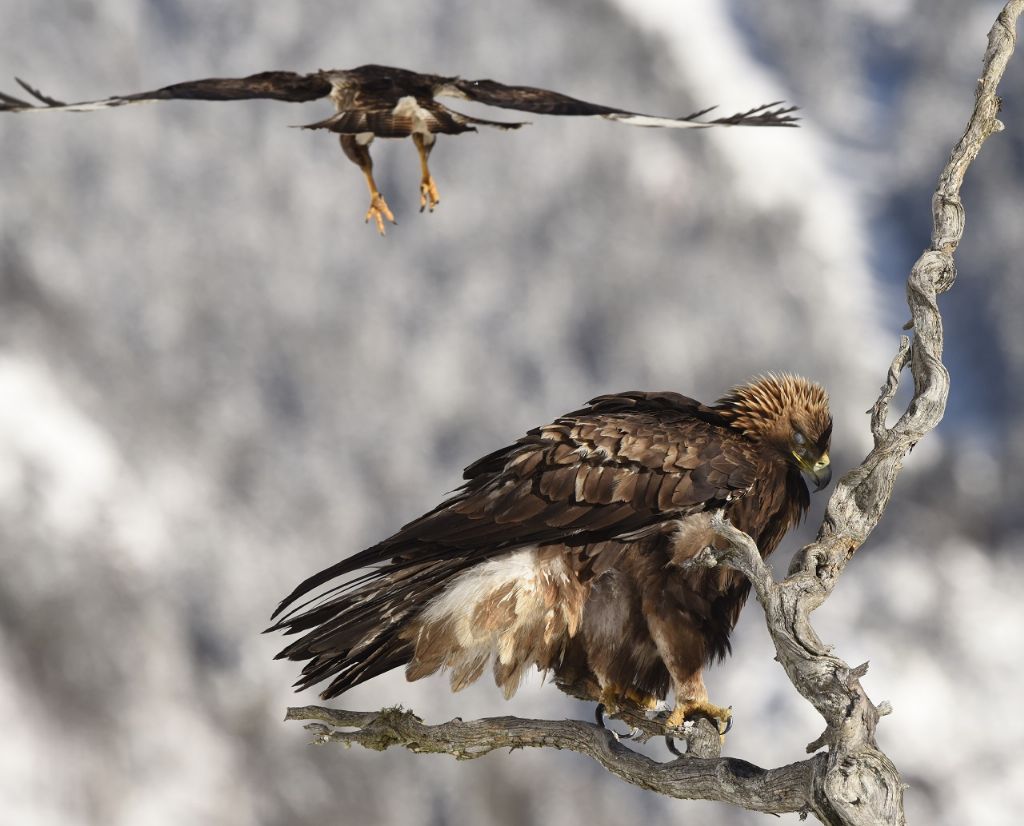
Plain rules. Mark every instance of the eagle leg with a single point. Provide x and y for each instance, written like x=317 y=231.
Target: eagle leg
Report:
x=359 y=154
x=428 y=189
x=682 y=649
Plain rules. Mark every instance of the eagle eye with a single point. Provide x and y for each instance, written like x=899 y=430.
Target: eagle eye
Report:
x=799 y=438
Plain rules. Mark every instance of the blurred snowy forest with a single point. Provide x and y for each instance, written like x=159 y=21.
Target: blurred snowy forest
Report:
x=215 y=380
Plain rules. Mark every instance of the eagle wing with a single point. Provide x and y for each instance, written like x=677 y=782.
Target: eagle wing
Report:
x=546 y=102
x=286 y=86
x=621 y=465
x=300 y=88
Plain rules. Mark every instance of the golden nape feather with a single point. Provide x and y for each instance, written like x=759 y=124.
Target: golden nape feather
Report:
x=565 y=551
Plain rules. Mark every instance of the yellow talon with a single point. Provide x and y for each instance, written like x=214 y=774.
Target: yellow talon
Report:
x=645 y=701
x=378 y=211
x=687 y=709
x=428 y=193
x=613 y=697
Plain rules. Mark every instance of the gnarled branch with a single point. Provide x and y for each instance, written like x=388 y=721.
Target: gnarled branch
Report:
x=729 y=780
x=853 y=783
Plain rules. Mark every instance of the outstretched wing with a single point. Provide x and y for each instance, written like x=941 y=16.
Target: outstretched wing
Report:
x=620 y=466
x=286 y=86
x=546 y=102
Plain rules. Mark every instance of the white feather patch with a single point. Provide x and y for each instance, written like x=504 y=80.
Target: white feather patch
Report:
x=421 y=118
x=531 y=591
x=652 y=120
x=521 y=569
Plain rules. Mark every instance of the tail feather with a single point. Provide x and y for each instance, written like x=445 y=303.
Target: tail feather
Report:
x=355 y=631
x=371 y=556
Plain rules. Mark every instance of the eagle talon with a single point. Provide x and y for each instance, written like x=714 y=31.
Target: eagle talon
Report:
x=428 y=194
x=378 y=211
x=599 y=711
x=690 y=709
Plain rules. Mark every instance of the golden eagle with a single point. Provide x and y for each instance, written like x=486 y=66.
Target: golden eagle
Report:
x=385 y=102
x=566 y=550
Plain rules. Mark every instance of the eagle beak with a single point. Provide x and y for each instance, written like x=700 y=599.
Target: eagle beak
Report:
x=821 y=472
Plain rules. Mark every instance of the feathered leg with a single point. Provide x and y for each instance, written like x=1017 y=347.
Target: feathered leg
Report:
x=692 y=701
x=682 y=650
x=358 y=152
x=428 y=189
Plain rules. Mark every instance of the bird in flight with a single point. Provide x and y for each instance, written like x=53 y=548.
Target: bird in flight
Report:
x=385 y=102
x=568 y=549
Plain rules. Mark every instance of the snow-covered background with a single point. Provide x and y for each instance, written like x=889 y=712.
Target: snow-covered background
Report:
x=215 y=380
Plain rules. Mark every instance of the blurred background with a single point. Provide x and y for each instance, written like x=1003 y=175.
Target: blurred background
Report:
x=215 y=380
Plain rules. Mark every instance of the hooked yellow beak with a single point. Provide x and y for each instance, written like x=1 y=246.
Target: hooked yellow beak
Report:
x=819 y=471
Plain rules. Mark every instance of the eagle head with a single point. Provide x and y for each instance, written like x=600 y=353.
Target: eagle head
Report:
x=786 y=413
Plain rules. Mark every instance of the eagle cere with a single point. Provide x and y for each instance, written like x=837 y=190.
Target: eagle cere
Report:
x=386 y=102
x=566 y=551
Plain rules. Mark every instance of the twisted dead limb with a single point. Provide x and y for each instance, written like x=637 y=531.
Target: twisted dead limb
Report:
x=729 y=780
x=853 y=783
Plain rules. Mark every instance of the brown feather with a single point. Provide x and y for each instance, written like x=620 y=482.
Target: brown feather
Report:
x=558 y=485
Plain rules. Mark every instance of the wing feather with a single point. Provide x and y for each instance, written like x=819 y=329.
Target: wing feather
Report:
x=625 y=463
x=546 y=102
x=582 y=472
x=599 y=485
x=558 y=483
x=285 y=86
x=624 y=485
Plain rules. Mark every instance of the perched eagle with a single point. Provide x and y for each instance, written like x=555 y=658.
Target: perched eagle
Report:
x=385 y=102
x=566 y=551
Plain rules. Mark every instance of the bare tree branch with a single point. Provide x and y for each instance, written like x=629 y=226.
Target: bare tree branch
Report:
x=853 y=783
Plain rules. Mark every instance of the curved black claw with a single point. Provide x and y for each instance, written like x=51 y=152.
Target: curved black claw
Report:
x=599 y=711
x=671 y=743
x=728 y=727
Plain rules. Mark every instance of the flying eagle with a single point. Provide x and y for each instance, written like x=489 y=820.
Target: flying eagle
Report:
x=566 y=551
x=385 y=102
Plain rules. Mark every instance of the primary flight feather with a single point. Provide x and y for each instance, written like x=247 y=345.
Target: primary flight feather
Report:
x=385 y=102
x=566 y=551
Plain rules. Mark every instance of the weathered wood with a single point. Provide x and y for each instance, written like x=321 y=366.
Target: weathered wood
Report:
x=775 y=791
